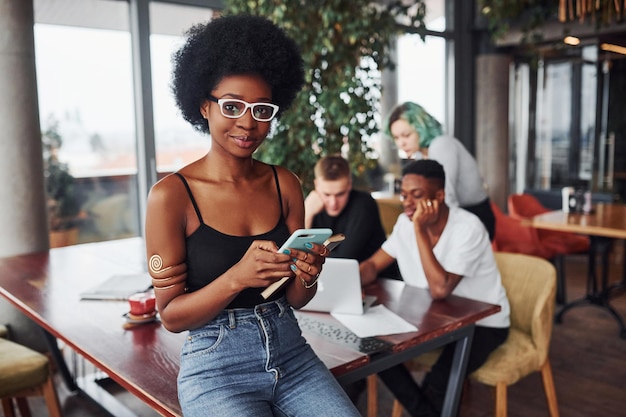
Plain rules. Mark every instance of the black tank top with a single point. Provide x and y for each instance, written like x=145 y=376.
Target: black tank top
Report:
x=210 y=253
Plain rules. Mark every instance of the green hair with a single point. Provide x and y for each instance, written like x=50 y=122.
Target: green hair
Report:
x=426 y=126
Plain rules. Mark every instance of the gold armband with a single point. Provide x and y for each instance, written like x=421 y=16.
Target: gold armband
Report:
x=166 y=277
x=157 y=270
x=168 y=281
x=167 y=287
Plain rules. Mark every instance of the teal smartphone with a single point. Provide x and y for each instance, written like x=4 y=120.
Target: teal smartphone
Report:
x=298 y=240
x=301 y=237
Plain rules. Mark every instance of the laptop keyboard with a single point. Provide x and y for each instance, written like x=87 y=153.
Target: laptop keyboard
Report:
x=341 y=335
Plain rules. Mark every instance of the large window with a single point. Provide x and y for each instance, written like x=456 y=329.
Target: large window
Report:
x=177 y=143
x=422 y=70
x=553 y=125
x=566 y=121
x=560 y=122
x=85 y=86
x=421 y=73
x=84 y=81
x=84 y=59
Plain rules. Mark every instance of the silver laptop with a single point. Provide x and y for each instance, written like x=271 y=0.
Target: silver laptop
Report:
x=339 y=289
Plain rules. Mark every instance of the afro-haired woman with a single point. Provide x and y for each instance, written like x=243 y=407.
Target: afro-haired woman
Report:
x=212 y=230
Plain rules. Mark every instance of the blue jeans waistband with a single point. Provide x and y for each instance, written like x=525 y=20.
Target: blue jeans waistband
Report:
x=230 y=317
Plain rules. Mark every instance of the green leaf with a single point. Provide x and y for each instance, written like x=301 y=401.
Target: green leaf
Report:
x=338 y=104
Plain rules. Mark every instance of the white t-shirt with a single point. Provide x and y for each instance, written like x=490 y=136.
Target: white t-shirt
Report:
x=463 y=249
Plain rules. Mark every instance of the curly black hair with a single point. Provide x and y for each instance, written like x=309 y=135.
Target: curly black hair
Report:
x=234 y=45
x=427 y=168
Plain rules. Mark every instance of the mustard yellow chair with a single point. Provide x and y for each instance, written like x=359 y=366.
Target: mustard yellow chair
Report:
x=23 y=373
x=530 y=284
x=389 y=208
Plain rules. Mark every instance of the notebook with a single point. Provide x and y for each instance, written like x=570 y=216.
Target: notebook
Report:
x=118 y=287
x=339 y=289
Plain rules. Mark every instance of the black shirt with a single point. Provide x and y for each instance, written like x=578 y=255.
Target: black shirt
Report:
x=210 y=253
x=360 y=222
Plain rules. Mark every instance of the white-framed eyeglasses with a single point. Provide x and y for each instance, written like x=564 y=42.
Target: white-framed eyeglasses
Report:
x=234 y=108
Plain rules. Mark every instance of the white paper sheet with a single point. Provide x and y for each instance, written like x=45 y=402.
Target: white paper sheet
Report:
x=377 y=321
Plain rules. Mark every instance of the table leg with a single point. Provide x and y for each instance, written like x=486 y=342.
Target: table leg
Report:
x=92 y=388
x=597 y=295
x=59 y=360
x=457 y=374
x=462 y=338
x=87 y=385
x=622 y=283
x=559 y=264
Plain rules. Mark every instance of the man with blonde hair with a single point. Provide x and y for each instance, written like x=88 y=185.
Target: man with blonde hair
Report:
x=334 y=204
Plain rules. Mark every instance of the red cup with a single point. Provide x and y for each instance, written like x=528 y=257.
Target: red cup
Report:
x=142 y=303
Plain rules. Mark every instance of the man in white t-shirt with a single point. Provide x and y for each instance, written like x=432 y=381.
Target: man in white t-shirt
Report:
x=447 y=250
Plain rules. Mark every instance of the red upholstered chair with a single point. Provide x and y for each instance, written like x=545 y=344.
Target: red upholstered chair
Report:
x=514 y=237
x=526 y=206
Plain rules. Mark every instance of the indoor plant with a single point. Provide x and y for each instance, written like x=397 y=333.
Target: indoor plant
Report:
x=530 y=16
x=344 y=45
x=63 y=205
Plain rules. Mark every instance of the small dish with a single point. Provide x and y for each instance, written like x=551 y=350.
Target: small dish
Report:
x=144 y=318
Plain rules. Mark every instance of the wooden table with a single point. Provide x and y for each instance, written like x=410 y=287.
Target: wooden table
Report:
x=604 y=224
x=607 y=220
x=145 y=359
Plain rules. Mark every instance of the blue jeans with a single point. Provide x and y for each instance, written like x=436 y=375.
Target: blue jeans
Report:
x=255 y=362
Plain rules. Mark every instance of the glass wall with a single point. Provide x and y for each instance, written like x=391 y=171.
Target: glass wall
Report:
x=84 y=81
x=587 y=124
x=554 y=119
x=177 y=143
x=560 y=132
x=566 y=121
x=84 y=60
x=85 y=86
x=422 y=72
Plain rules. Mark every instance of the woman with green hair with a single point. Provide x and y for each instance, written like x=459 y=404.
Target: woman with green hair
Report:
x=409 y=123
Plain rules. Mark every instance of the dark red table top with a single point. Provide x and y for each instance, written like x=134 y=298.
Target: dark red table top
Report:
x=144 y=359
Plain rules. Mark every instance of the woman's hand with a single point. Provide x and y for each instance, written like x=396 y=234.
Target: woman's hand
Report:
x=307 y=266
x=262 y=265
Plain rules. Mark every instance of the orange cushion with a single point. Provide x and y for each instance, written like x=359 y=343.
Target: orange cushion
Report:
x=526 y=249
x=525 y=206
x=564 y=243
x=512 y=236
